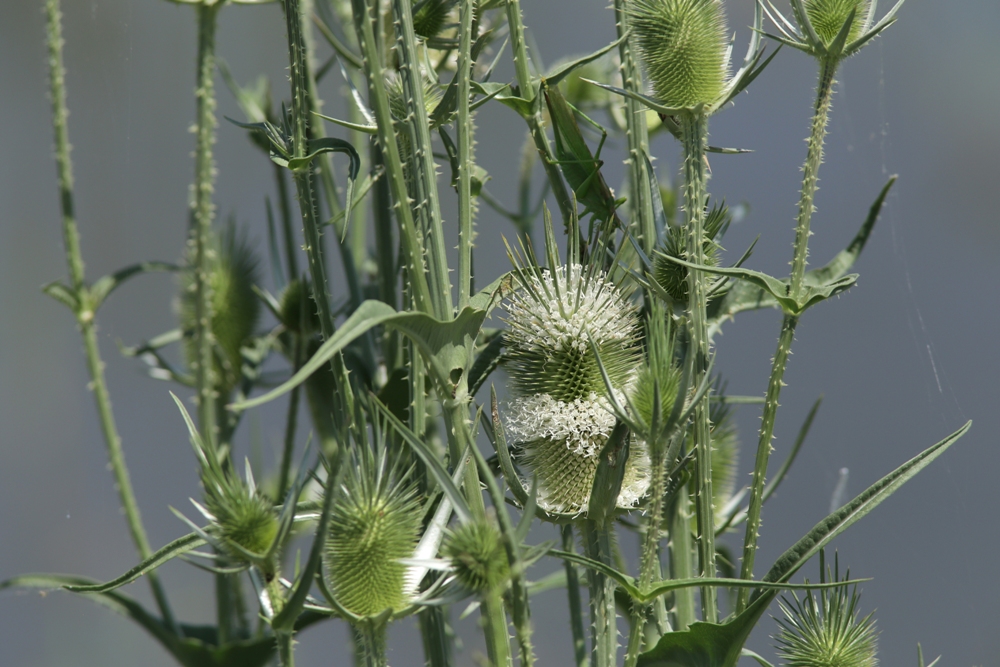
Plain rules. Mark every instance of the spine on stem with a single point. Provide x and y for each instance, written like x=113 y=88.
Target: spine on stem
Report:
x=694 y=130
x=810 y=178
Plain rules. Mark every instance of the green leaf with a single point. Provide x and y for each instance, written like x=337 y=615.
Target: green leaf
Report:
x=63 y=295
x=172 y=550
x=103 y=286
x=447 y=346
x=778 y=288
x=609 y=475
x=323 y=145
x=845 y=259
x=196 y=649
x=839 y=521
x=566 y=69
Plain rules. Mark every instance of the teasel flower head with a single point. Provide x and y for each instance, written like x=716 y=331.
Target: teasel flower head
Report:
x=823 y=630
x=297 y=311
x=431 y=16
x=477 y=556
x=375 y=523
x=829 y=29
x=683 y=45
x=672 y=277
x=397 y=96
x=561 y=417
x=244 y=521
x=232 y=273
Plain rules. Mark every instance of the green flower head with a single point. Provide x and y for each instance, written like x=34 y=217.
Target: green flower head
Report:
x=829 y=16
x=683 y=45
x=477 y=556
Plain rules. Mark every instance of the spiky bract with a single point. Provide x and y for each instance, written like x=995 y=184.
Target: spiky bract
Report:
x=682 y=44
x=550 y=318
x=430 y=16
x=242 y=516
x=828 y=17
x=561 y=419
x=663 y=378
x=397 y=98
x=477 y=554
x=233 y=271
x=672 y=277
x=824 y=630
x=374 y=523
x=297 y=311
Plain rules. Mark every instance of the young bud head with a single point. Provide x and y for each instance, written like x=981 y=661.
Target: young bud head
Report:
x=682 y=44
x=672 y=277
x=430 y=16
x=374 y=523
x=823 y=630
x=828 y=17
x=478 y=556
x=244 y=518
x=235 y=308
x=397 y=96
x=298 y=312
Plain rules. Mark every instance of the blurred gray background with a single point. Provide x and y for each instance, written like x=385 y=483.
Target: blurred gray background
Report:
x=903 y=359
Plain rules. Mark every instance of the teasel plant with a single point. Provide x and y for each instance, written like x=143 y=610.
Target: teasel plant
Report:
x=613 y=423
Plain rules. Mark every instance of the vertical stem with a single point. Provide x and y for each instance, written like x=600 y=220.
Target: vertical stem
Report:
x=84 y=311
x=580 y=656
x=681 y=553
x=202 y=213
x=286 y=649
x=410 y=239
x=285 y=206
x=434 y=633
x=810 y=177
x=465 y=139
x=535 y=121
x=694 y=131
x=373 y=643
x=428 y=206
x=291 y=420
x=603 y=615
x=495 y=627
x=637 y=134
x=810 y=171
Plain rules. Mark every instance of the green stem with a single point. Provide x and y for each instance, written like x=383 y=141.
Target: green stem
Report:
x=810 y=177
x=373 y=639
x=694 y=133
x=85 y=312
x=202 y=213
x=427 y=205
x=291 y=422
x=411 y=240
x=465 y=142
x=285 y=206
x=810 y=171
x=495 y=627
x=286 y=649
x=681 y=554
x=536 y=124
x=637 y=136
x=434 y=633
x=603 y=615
x=575 y=607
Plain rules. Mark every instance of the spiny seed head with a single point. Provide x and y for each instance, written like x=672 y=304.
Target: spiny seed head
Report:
x=828 y=17
x=478 y=556
x=823 y=630
x=374 y=523
x=561 y=418
x=672 y=277
x=232 y=273
x=560 y=442
x=242 y=516
x=663 y=377
x=549 y=350
x=430 y=17
x=397 y=96
x=298 y=312
x=683 y=45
